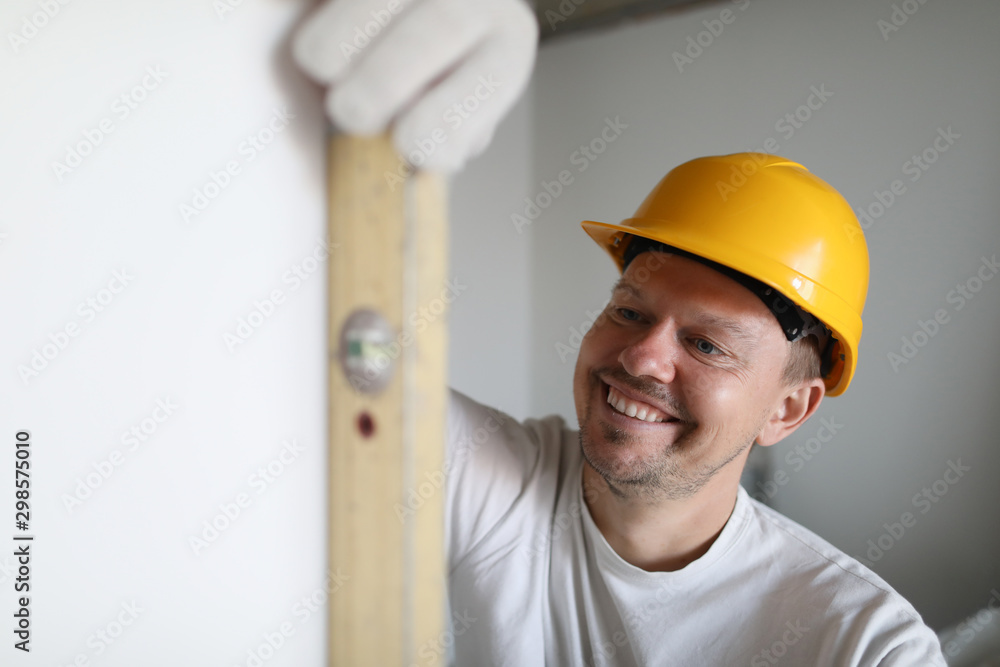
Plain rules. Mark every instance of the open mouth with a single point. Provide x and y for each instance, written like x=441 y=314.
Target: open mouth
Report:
x=626 y=407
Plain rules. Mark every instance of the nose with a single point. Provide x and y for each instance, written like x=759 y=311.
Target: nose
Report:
x=652 y=353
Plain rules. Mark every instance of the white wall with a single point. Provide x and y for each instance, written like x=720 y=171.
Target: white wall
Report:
x=889 y=97
x=161 y=336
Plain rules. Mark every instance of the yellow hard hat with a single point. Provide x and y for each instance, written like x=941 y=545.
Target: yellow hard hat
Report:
x=768 y=218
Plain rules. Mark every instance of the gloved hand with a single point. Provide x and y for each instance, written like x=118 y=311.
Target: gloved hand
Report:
x=446 y=71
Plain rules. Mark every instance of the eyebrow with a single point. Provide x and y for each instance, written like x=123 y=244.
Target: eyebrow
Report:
x=730 y=327
x=622 y=286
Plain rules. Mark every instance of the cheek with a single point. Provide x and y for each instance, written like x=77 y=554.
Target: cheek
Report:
x=713 y=396
x=732 y=401
x=580 y=373
x=593 y=351
x=593 y=342
x=600 y=339
x=583 y=379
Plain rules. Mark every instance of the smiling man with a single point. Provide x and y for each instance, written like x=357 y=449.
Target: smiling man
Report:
x=630 y=541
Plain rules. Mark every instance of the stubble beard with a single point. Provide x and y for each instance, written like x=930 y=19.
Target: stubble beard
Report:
x=656 y=480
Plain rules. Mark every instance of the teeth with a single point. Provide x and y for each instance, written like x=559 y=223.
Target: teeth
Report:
x=630 y=408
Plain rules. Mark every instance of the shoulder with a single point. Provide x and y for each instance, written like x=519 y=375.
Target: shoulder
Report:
x=802 y=552
x=472 y=424
x=502 y=474
x=805 y=546
x=856 y=609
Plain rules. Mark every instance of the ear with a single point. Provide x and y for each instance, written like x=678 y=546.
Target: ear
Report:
x=794 y=409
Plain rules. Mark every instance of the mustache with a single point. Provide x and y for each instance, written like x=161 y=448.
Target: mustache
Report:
x=644 y=387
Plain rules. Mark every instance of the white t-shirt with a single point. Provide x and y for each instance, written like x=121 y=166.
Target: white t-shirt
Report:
x=534 y=582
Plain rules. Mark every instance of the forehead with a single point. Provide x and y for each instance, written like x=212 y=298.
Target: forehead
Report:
x=689 y=290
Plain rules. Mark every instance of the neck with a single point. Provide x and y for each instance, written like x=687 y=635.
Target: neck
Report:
x=661 y=535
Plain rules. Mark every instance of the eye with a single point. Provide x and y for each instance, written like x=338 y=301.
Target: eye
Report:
x=705 y=347
x=629 y=314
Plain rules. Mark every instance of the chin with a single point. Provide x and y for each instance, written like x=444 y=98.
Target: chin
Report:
x=619 y=456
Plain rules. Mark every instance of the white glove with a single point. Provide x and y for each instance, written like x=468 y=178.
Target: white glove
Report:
x=446 y=71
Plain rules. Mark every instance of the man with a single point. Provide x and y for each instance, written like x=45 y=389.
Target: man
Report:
x=631 y=541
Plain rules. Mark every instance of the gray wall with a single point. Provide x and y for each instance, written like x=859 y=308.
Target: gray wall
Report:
x=890 y=95
x=490 y=332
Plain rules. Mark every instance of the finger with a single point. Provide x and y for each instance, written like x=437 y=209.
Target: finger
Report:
x=338 y=33
x=417 y=49
x=448 y=157
x=467 y=108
